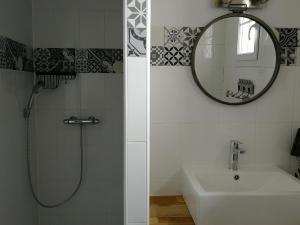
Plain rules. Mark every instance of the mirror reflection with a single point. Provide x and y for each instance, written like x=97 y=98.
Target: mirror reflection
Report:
x=235 y=60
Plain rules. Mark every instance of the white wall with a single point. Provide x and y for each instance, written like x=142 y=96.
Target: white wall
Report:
x=16 y=203
x=188 y=127
x=15 y=20
x=100 y=200
x=80 y=24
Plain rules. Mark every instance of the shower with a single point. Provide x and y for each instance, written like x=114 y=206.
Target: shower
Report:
x=70 y=121
x=35 y=90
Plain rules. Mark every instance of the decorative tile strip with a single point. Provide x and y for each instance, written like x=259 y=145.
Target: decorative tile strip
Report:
x=181 y=36
x=137 y=42
x=288 y=40
x=93 y=60
x=137 y=14
x=179 y=42
x=137 y=25
x=15 y=55
x=157 y=56
x=54 y=60
x=177 y=49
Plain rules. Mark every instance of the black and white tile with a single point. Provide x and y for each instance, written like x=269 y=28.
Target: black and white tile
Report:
x=175 y=56
x=54 y=60
x=93 y=60
x=82 y=57
x=100 y=61
x=190 y=35
x=178 y=45
x=137 y=14
x=15 y=55
x=117 y=60
x=289 y=43
x=173 y=37
x=137 y=42
x=157 y=56
x=181 y=36
x=288 y=37
x=187 y=51
x=288 y=55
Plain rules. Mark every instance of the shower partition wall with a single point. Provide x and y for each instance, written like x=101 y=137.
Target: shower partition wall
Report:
x=137 y=110
x=86 y=39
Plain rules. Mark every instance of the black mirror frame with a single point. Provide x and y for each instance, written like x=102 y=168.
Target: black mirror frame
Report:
x=277 y=50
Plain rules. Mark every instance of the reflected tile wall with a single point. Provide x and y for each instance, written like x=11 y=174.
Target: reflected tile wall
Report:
x=15 y=55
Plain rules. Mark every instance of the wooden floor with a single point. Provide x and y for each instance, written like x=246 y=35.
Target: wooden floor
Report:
x=169 y=210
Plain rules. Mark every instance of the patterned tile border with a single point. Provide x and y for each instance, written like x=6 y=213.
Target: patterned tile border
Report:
x=179 y=42
x=137 y=28
x=15 y=55
x=54 y=60
x=93 y=60
x=157 y=56
x=177 y=48
x=137 y=42
x=137 y=14
x=181 y=36
x=289 y=43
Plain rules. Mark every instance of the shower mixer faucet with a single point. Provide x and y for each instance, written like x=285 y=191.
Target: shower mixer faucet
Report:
x=73 y=120
x=235 y=152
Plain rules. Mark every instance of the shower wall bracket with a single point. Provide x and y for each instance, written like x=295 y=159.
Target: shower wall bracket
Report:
x=52 y=80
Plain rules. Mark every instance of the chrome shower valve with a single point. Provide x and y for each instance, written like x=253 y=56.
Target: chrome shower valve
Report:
x=73 y=120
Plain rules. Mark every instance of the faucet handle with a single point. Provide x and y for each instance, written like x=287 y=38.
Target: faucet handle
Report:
x=242 y=151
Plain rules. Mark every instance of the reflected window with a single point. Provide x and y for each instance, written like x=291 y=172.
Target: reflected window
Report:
x=208 y=54
x=248 y=34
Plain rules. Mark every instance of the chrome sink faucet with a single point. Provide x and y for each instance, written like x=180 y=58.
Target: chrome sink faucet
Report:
x=235 y=152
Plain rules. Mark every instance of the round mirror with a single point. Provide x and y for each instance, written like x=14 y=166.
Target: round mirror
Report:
x=236 y=59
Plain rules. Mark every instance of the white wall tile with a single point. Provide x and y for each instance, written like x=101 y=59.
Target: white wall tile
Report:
x=92 y=92
x=92 y=29
x=113 y=29
x=14 y=89
x=15 y=20
x=136 y=99
x=55 y=4
x=276 y=104
x=136 y=182
x=101 y=5
x=273 y=144
x=165 y=150
x=55 y=28
x=165 y=186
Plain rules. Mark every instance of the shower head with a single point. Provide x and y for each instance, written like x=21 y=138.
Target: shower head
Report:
x=35 y=90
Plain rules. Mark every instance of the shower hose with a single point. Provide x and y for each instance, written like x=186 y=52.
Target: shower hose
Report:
x=35 y=196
